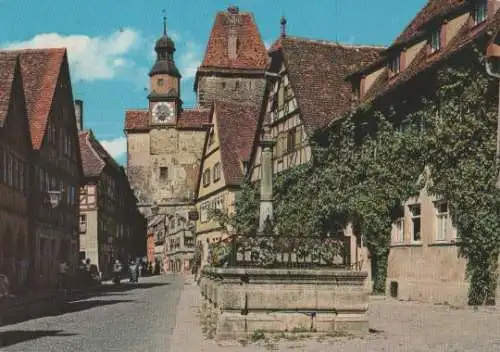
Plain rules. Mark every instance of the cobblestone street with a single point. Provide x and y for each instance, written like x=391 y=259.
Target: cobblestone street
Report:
x=117 y=318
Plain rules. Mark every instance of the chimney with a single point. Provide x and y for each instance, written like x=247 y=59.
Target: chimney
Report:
x=79 y=114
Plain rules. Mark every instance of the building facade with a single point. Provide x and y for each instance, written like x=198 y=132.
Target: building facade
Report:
x=179 y=243
x=15 y=161
x=56 y=171
x=424 y=260
x=108 y=209
x=305 y=89
x=225 y=158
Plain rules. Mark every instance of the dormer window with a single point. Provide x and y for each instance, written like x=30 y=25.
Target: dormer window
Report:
x=395 y=65
x=480 y=11
x=435 y=41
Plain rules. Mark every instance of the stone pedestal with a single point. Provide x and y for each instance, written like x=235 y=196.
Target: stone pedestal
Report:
x=286 y=300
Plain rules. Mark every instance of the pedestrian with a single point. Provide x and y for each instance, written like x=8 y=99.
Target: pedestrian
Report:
x=117 y=269
x=63 y=275
x=133 y=271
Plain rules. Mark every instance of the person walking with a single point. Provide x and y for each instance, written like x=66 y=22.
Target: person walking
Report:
x=63 y=275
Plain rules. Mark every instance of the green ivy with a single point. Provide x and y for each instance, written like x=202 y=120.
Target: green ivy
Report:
x=460 y=148
x=366 y=166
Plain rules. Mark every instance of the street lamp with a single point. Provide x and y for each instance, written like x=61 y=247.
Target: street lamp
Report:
x=493 y=69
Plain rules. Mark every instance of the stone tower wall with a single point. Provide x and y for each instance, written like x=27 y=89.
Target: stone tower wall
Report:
x=237 y=89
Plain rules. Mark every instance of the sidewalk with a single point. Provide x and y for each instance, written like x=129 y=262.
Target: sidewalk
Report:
x=187 y=335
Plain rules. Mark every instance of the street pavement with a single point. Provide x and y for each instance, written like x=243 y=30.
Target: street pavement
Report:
x=128 y=317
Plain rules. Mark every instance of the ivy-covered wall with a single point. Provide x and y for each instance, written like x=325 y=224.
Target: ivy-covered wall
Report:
x=366 y=166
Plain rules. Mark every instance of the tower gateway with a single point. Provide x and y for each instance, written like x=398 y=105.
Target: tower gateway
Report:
x=165 y=141
x=235 y=60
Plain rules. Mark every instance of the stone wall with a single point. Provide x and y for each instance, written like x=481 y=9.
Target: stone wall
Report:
x=245 y=300
x=237 y=89
x=177 y=150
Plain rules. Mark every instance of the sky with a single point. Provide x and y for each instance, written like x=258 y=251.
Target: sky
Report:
x=110 y=42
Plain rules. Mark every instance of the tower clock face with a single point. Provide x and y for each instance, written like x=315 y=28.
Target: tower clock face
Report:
x=163 y=112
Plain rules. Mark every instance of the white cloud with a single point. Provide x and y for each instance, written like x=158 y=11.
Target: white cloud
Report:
x=189 y=60
x=90 y=58
x=116 y=147
x=267 y=44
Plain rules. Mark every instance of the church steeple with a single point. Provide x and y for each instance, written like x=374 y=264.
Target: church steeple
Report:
x=165 y=49
x=164 y=97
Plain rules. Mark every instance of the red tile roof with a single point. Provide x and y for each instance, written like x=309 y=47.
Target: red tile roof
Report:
x=251 y=52
x=317 y=72
x=424 y=61
x=7 y=71
x=236 y=127
x=193 y=118
x=94 y=156
x=432 y=10
x=139 y=120
x=40 y=72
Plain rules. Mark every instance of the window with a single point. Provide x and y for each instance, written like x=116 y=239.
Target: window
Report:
x=395 y=65
x=435 y=41
x=211 y=137
x=204 y=212
x=442 y=220
x=160 y=82
x=216 y=172
x=399 y=228
x=83 y=223
x=206 y=178
x=281 y=96
x=163 y=172
x=480 y=11
x=415 y=223
x=291 y=140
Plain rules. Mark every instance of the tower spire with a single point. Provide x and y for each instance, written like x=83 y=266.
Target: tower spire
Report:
x=283 y=26
x=164 y=22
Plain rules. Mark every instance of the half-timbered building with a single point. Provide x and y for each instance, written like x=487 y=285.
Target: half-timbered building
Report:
x=56 y=170
x=305 y=89
x=224 y=162
x=108 y=208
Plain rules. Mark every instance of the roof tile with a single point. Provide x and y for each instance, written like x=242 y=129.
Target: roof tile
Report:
x=40 y=72
x=237 y=124
x=137 y=120
x=423 y=61
x=251 y=51
x=7 y=71
x=321 y=90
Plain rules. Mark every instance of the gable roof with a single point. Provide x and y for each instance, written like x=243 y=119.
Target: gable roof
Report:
x=94 y=156
x=422 y=61
x=317 y=72
x=7 y=71
x=236 y=127
x=139 y=120
x=433 y=10
x=40 y=72
x=251 y=51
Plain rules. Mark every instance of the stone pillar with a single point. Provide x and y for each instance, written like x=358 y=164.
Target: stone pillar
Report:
x=266 y=180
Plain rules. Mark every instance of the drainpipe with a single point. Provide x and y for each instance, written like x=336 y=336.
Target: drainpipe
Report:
x=493 y=69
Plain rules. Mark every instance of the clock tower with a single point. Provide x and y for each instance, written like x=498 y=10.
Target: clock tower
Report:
x=164 y=100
